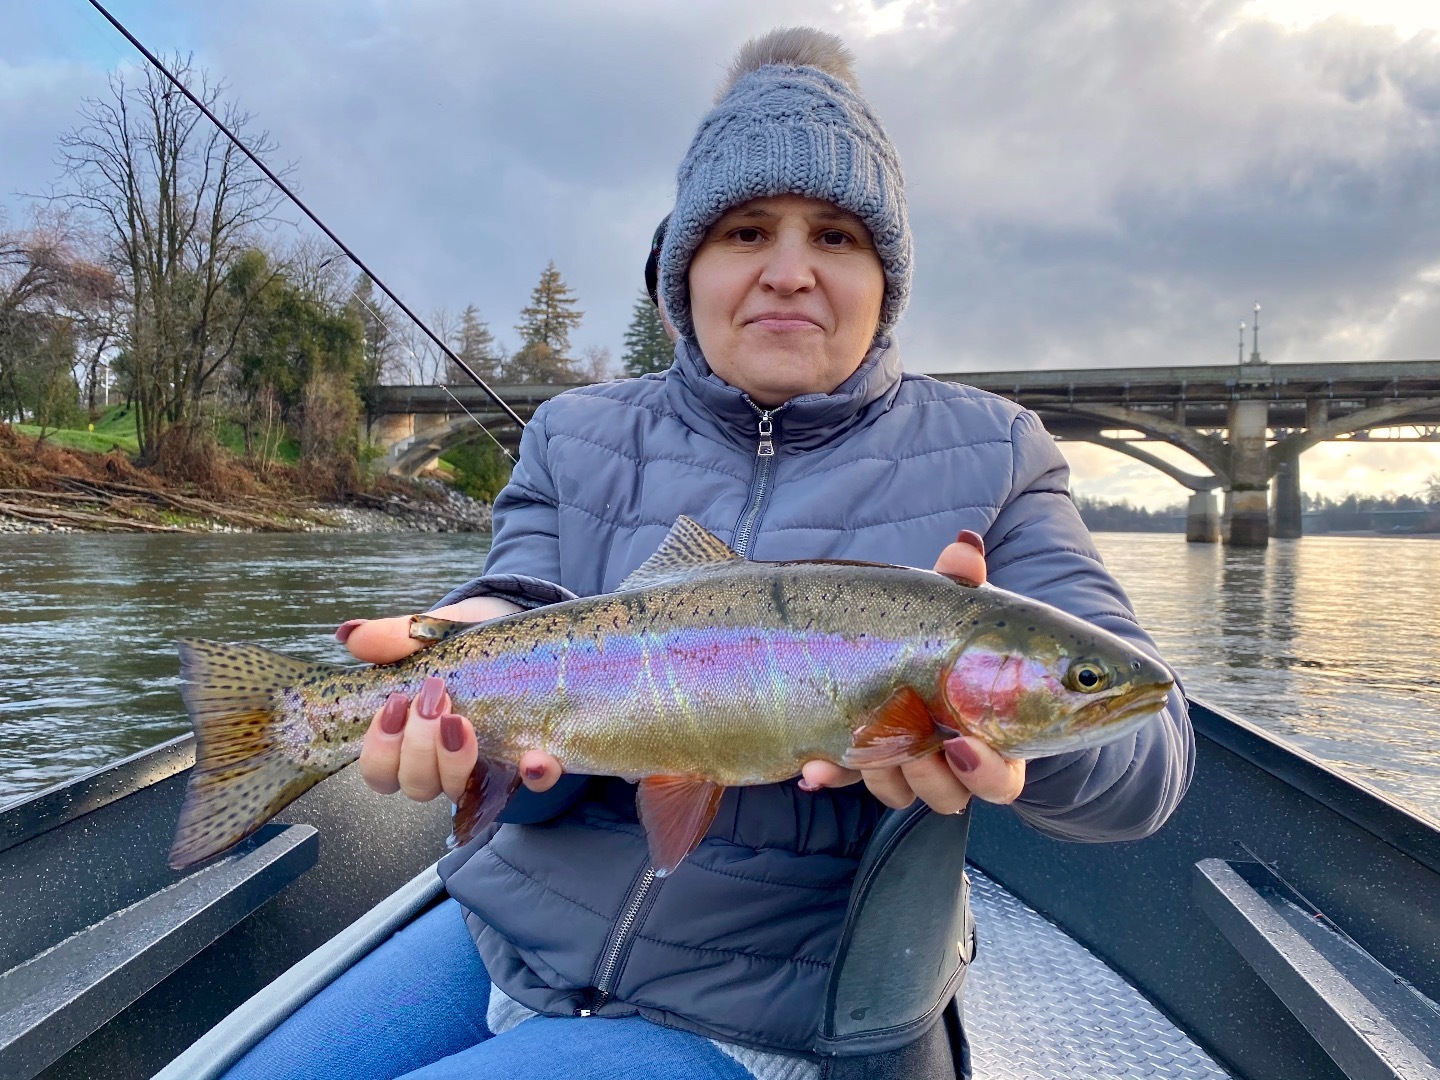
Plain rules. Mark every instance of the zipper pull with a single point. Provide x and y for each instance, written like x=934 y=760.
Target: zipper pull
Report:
x=593 y=1000
x=767 y=429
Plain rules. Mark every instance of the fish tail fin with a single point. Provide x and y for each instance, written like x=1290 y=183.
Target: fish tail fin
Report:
x=242 y=774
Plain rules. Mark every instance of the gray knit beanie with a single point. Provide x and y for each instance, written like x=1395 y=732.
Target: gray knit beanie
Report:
x=789 y=120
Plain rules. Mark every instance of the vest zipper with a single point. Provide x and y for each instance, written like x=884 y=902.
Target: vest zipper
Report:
x=611 y=959
x=764 y=465
x=615 y=949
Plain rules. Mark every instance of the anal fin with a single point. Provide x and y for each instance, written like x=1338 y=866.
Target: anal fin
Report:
x=486 y=793
x=675 y=811
x=900 y=730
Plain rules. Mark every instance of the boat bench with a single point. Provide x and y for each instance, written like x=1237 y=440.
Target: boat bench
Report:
x=92 y=918
x=1372 y=1023
x=1037 y=1003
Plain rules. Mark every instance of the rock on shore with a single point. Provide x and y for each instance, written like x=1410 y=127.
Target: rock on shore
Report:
x=450 y=511
x=435 y=507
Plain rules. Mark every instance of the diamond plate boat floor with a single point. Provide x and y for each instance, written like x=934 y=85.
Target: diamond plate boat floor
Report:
x=1040 y=1006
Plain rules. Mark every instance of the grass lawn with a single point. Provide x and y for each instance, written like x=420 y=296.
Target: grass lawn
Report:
x=116 y=427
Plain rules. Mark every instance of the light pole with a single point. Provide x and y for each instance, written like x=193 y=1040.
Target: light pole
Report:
x=1240 y=355
x=1255 y=355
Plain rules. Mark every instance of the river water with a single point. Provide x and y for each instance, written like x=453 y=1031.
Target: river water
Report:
x=1330 y=642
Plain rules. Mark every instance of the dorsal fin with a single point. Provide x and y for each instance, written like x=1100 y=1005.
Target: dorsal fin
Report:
x=689 y=547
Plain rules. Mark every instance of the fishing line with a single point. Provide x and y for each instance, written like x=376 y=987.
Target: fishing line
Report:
x=508 y=456
x=376 y=316
x=255 y=160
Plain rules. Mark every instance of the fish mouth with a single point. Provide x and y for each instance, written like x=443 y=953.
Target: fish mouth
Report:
x=1127 y=705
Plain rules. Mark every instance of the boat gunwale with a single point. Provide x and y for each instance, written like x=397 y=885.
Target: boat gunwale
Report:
x=1377 y=813
x=37 y=813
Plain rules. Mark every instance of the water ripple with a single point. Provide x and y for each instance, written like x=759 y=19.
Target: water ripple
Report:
x=1304 y=638
x=1330 y=642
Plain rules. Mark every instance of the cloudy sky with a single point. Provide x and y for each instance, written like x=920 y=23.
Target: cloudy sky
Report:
x=1092 y=183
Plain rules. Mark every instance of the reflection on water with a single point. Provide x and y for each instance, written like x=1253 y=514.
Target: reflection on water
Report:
x=1331 y=642
x=90 y=620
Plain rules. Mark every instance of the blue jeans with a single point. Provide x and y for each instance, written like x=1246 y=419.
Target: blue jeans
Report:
x=415 y=1008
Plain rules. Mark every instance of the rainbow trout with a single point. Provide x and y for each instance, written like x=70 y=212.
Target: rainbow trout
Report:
x=702 y=671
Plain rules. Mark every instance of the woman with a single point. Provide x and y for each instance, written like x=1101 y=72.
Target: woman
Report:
x=786 y=426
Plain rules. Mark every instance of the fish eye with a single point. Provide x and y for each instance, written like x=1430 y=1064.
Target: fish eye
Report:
x=1087 y=677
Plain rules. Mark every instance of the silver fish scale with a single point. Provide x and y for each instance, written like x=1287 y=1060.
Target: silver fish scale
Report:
x=1040 y=1006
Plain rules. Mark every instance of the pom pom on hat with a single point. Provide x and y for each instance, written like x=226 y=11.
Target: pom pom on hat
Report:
x=789 y=120
x=793 y=46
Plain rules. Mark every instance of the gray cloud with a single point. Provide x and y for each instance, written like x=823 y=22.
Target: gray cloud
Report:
x=1090 y=183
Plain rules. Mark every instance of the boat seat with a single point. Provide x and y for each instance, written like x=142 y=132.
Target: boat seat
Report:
x=68 y=988
x=1372 y=1023
x=1039 y=1004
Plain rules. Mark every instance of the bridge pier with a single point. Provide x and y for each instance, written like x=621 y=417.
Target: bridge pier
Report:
x=1202 y=519
x=1288 y=509
x=1249 y=475
x=390 y=428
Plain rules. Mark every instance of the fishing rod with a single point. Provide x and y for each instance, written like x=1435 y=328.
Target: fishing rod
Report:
x=255 y=160
x=478 y=423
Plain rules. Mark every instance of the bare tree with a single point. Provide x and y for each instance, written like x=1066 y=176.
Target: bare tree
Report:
x=595 y=365
x=178 y=203
x=56 y=317
x=425 y=363
x=320 y=270
x=384 y=353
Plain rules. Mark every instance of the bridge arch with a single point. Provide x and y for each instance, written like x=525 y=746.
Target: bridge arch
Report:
x=407 y=457
x=1193 y=481
x=1209 y=450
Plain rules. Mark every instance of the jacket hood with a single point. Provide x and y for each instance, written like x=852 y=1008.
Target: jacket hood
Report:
x=711 y=406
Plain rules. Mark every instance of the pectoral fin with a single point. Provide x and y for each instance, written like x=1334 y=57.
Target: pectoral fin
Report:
x=900 y=730
x=486 y=793
x=676 y=811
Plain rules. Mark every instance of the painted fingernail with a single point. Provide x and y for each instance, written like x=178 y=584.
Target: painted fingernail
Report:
x=432 y=696
x=345 y=629
x=974 y=539
x=806 y=785
x=534 y=772
x=962 y=755
x=452 y=732
x=392 y=716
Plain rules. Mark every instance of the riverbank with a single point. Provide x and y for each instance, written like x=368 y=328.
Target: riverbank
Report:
x=47 y=488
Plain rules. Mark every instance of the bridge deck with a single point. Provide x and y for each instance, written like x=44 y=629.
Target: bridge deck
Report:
x=1071 y=403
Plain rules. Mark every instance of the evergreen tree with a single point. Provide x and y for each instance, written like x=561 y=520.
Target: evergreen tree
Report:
x=647 y=347
x=475 y=344
x=538 y=363
x=544 y=330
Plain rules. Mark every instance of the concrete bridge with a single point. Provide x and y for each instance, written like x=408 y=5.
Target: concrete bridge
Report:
x=1244 y=425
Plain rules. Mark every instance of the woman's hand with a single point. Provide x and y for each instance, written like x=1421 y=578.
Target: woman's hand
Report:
x=421 y=747
x=945 y=781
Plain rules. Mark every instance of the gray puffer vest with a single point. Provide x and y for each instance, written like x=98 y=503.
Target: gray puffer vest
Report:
x=739 y=942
